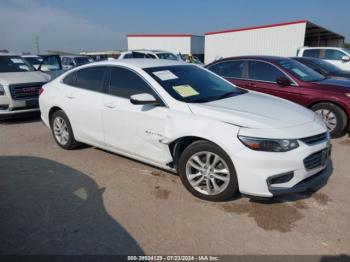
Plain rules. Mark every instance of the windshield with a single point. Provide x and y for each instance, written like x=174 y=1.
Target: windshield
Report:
x=14 y=64
x=81 y=60
x=169 y=56
x=300 y=71
x=34 y=60
x=189 y=83
x=326 y=66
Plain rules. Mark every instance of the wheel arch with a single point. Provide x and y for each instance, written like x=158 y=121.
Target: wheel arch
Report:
x=52 y=111
x=177 y=146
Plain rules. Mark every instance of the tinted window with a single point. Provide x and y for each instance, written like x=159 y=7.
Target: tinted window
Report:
x=190 y=83
x=333 y=55
x=14 y=64
x=81 y=60
x=125 y=83
x=229 y=69
x=128 y=56
x=312 y=53
x=169 y=56
x=91 y=78
x=263 y=71
x=70 y=79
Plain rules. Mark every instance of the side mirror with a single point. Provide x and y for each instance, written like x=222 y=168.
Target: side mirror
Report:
x=143 y=99
x=283 y=81
x=345 y=58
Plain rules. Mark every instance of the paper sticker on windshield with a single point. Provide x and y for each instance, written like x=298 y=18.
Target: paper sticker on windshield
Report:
x=24 y=67
x=165 y=75
x=299 y=72
x=17 y=60
x=185 y=90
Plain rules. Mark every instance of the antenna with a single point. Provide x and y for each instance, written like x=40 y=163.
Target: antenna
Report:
x=37 y=45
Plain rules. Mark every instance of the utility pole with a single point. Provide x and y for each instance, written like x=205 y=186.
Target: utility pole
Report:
x=37 y=45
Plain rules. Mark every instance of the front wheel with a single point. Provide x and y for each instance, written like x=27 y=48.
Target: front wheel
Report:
x=333 y=116
x=207 y=172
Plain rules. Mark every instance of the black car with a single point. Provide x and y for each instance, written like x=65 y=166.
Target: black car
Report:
x=323 y=67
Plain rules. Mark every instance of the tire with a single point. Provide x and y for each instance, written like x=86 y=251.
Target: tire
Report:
x=330 y=112
x=68 y=142
x=185 y=169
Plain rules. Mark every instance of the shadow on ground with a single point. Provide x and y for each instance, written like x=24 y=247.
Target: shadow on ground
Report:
x=49 y=208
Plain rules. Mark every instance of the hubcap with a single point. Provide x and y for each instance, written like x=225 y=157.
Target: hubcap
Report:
x=328 y=117
x=60 y=130
x=207 y=173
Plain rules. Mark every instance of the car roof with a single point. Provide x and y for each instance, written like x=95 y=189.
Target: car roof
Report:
x=7 y=54
x=141 y=62
x=256 y=57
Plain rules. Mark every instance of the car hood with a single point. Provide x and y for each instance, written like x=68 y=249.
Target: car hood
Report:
x=255 y=110
x=23 y=77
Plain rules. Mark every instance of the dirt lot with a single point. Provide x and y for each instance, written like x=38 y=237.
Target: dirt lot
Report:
x=89 y=201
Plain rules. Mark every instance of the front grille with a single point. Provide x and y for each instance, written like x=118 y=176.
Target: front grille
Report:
x=317 y=159
x=25 y=91
x=314 y=139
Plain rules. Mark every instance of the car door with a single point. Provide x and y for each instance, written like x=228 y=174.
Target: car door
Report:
x=134 y=129
x=82 y=101
x=336 y=58
x=262 y=76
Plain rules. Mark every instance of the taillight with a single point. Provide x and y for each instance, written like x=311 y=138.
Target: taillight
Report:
x=41 y=90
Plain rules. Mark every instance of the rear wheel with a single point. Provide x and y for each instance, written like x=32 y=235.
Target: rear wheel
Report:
x=207 y=172
x=333 y=116
x=62 y=131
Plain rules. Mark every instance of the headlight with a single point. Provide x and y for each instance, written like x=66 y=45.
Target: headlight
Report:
x=269 y=145
x=2 y=90
x=347 y=94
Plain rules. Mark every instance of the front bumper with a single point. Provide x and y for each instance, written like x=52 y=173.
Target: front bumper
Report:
x=12 y=108
x=256 y=169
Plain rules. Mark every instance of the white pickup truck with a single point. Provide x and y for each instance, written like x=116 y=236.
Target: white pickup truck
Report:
x=19 y=86
x=339 y=57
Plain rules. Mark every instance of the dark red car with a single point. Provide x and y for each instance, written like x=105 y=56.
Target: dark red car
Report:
x=289 y=79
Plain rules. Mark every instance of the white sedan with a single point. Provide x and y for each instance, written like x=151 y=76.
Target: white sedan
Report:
x=219 y=138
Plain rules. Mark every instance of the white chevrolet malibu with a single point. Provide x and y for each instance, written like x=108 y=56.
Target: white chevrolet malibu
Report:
x=219 y=138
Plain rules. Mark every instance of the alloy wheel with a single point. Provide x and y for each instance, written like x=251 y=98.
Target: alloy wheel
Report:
x=328 y=117
x=60 y=129
x=207 y=173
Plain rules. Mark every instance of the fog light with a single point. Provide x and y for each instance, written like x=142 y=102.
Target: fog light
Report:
x=282 y=178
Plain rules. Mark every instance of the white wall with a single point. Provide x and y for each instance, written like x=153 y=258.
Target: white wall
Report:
x=172 y=44
x=280 y=41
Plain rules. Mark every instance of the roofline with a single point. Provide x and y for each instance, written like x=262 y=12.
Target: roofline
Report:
x=161 y=35
x=257 y=27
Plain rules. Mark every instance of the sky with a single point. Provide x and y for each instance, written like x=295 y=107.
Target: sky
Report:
x=97 y=25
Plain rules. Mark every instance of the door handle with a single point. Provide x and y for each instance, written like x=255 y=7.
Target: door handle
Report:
x=110 y=105
x=250 y=85
x=70 y=96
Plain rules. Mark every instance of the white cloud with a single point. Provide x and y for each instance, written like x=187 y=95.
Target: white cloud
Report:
x=56 y=29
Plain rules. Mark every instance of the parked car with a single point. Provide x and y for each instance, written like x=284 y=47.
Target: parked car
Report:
x=324 y=68
x=19 y=86
x=34 y=60
x=291 y=80
x=337 y=56
x=71 y=61
x=220 y=139
x=155 y=54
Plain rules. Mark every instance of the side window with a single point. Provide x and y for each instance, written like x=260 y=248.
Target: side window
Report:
x=263 y=71
x=64 y=61
x=331 y=54
x=228 y=69
x=91 y=78
x=70 y=79
x=312 y=53
x=125 y=83
x=126 y=56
